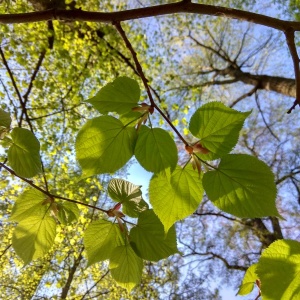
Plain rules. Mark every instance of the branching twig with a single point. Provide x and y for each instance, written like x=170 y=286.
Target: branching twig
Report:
x=89 y=290
x=47 y=193
x=145 y=81
x=264 y=120
x=12 y=78
x=184 y=6
x=250 y=93
x=136 y=61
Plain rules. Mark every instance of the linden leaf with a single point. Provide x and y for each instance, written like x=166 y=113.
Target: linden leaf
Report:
x=104 y=145
x=242 y=185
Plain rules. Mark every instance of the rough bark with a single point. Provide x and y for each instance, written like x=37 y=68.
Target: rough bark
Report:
x=282 y=85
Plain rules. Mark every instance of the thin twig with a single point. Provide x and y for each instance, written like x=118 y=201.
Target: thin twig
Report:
x=136 y=61
x=145 y=81
x=47 y=193
x=12 y=78
x=250 y=93
x=264 y=120
x=4 y=251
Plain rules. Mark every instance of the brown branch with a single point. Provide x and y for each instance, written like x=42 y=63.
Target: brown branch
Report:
x=145 y=12
x=290 y=39
x=145 y=81
x=264 y=119
x=287 y=176
x=66 y=288
x=213 y=255
x=47 y=193
x=184 y=6
x=4 y=251
x=89 y=290
x=136 y=61
x=249 y=94
x=12 y=78
x=228 y=266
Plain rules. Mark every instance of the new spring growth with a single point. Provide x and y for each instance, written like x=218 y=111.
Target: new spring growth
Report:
x=145 y=109
x=196 y=148
x=115 y=212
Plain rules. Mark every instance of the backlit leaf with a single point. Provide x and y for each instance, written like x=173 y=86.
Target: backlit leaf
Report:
x=155 y=150
x=119 y=96
x=5 y=119
x=149 y=240
x=24 y=153
x=33 y=237
x=217 y=126
x=175 y=196
x=100 y=238
x=126 y=267
x=129 y=195
x=279 y=271
x=67 y=212
x=248 y=281
x=104 y=145
x=242 y=185
x=29 y=203
x=130 y=118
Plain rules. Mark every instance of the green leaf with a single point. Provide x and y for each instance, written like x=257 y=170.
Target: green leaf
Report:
x=175 y=196
x=129 y=195
x=130 y=118
x=67 y=212
x=242 y=185
x=24 y=153
x=30 y=203
x=217 y=127
x=104 y=145
x=149 y=240
x=126 y=267
x=5 y=119
x=3 y=132
x=279 y=271
x=155 y=150
x=119 y=96
x=100 y=238
x=33 y=237
x=248 y=281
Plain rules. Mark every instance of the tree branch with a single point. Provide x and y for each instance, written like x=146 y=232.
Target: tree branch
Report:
x=49 y=194
x=184 y=6
x=145 y=81
x=159 y=10
x=66 y=288
x=290 y=39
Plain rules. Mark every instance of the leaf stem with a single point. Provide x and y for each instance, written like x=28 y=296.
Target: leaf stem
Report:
x=206 y=163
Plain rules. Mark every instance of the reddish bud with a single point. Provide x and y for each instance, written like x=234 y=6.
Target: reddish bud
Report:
x=189 y=149
x=257 y=281
x=114 y=212
x=117 y=206
x=198 y=148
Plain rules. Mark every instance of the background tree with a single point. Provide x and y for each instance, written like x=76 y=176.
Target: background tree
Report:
x=51 y=67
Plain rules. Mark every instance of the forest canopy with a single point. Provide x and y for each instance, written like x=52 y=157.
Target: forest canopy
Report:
x=204 y=96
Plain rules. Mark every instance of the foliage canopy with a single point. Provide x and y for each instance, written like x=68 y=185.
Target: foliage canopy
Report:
x=81 y=100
